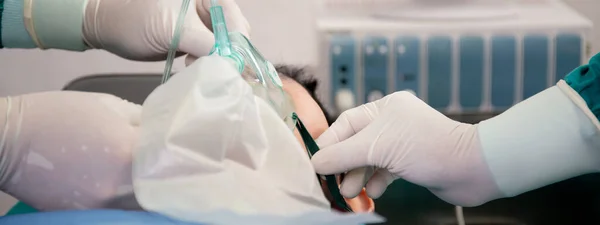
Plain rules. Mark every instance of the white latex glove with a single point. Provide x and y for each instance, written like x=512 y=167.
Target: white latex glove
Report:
x=143 y=29
x=407 y=139
x=67 y=150
x=547 y=138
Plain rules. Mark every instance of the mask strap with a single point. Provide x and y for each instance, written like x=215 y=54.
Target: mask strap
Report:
x=312 y=148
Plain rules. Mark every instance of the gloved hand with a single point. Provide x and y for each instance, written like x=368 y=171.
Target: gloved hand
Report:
x=405 y=138
x=547 y=138
x=143 y=29
x=67 y=150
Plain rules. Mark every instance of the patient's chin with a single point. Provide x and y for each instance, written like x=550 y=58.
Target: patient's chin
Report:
x=361 y=203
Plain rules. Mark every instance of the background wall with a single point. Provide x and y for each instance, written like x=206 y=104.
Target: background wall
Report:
x=284 y=33
x=293 y=41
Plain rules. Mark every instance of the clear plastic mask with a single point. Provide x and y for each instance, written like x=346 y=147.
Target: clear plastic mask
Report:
x=260 y=75
x=258 y=72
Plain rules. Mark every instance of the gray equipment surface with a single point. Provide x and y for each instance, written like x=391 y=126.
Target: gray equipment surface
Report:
x=131 y=87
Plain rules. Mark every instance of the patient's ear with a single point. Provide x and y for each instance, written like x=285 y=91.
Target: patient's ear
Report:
x=361 y=203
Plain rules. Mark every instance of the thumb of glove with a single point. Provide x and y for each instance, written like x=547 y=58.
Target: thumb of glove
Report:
x=348 y=124
x=344 y=156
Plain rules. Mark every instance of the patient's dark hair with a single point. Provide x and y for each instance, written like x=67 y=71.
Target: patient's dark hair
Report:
x=307 y=80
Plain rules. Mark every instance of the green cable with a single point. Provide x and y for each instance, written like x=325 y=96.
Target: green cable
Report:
x=175 y=42
x=313 y=148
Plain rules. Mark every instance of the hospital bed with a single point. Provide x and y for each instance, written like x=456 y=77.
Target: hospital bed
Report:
x=404 y=203
x=131 y=87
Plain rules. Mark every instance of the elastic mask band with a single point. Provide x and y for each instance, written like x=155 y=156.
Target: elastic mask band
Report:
x=312 y=148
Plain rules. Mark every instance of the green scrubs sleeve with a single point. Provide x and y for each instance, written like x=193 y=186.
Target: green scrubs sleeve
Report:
x=58 y=24
x=14 y=34
x=585 y=80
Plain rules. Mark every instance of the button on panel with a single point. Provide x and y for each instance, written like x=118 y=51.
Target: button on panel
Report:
x=344 y=100
x=408 y=54
x=568 y=54
x=376 y=65
x=535 y=64
x=343 y=72
x=504 y=49
x=439 y=52
x=374 y=95
x=471 y=72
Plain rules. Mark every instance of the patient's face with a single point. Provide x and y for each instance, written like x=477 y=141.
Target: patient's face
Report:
x=315 y=122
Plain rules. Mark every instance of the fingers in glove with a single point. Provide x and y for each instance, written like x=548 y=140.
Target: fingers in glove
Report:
x=348 y=124
x=236 y=22
x=196 y=40
x=379 y=183
x=347 y=155
x=355 y=180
